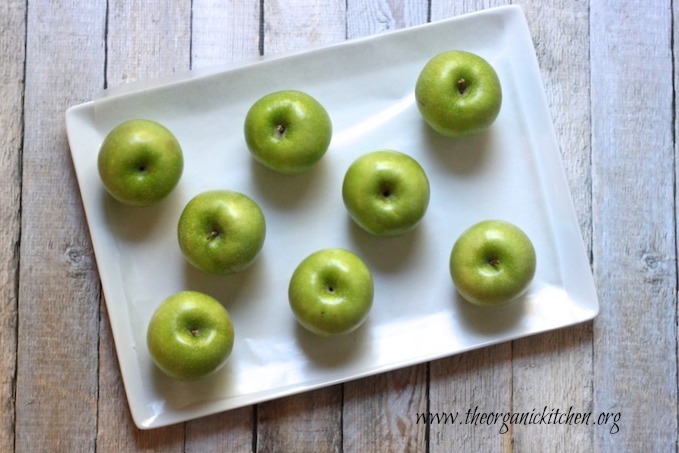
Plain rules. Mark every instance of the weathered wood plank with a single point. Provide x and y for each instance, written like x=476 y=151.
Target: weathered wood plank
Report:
x=380 y=411
x=479 y=379
x=302 y=25
x=565 y=71
x=223 y=32
x=229 y=431
x=12 y=41
x=116 y=429
x=58 y=332
x=634 y=245
x=554 y=369
x=675 y=52
x=144 y=40
x=147 y=39
x=377 y=16
x=310 y=421
x=66 y=397
x=442 y=9
x=466 y=386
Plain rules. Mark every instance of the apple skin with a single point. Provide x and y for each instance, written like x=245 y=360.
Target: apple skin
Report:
x=386 y=192
x=331 y=292
x=140 y=162
x=190 y=335
x=458 y=93
x=492 y=263
x=288 y=131
x=221 y=232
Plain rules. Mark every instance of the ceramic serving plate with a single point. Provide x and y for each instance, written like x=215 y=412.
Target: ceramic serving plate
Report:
x=513 y=172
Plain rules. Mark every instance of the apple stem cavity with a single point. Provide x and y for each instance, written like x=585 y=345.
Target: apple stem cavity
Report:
x=461 y=86
x=212 y=234
x=280 y=131
x=386 y=190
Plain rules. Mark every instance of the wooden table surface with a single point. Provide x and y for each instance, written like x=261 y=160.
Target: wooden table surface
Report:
x=609 y=80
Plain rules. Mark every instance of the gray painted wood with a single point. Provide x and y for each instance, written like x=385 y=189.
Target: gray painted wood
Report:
x=609 y=82
x=12 y=40
x=634 y=224
x=58 y=288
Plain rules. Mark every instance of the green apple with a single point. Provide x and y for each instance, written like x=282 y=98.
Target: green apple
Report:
x=288 y=131
x=221 y=231
x=331 y=292
x=140 y=162
x=492 y=263
x=386 y=192
x=190 y=335
x=458 y=93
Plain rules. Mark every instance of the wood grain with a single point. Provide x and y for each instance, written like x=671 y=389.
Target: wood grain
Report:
x=116 y=430
x=147 y=39
x=289 y=26
x=378 y=16
x=633 y=237
x=675 y=130
x=479 y=379
x=144 y=40
x=380 y=412
x=12 y=39
x=441 y=9
x=224 y=32
x=554 y=369
x=58 y=308
x=466 y=385
x=608 y=69
x=310 y=421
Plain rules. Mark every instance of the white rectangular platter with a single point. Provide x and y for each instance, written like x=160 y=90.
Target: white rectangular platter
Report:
x=513 y=172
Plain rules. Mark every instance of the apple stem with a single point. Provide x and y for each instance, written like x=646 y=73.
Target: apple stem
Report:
x=194 y=332
x=280 y=129
x=494 y=262
x=461 y=86
x=212 y=234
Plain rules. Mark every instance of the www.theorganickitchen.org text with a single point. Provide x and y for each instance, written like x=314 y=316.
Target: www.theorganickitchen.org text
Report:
x=537 y=416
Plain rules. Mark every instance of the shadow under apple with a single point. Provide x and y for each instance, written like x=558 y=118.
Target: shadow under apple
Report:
x=332 y=351
x=459 y=155
x=287 y=191
x=489 y=320
x=388 y=254
x=231 y=289
x=138 y=223
x=178 y=394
